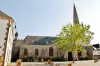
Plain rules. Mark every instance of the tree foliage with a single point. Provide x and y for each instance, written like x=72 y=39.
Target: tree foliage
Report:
x=73 y=38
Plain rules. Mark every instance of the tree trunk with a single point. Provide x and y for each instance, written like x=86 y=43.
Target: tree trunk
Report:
x=73 y=55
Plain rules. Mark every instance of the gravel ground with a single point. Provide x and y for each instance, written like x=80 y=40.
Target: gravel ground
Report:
x=77 y=63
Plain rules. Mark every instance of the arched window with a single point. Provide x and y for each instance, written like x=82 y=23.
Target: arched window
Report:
x=36 y=52
x=25 y=51
x=51 y=52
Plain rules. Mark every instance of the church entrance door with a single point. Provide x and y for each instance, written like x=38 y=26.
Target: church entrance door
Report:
x=70 y=58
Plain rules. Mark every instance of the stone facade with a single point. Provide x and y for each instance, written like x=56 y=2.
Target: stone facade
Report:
x=40 y=46
x=7 y=35
x=16 y=49
x=44 y=50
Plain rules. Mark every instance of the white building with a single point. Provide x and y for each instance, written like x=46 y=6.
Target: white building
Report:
x=7 y=35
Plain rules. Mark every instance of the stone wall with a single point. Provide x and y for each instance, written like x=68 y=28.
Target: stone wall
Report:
x=44 y=51
x=16 y=49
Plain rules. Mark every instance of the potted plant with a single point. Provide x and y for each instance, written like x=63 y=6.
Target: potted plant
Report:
x=18 y=63
x=49 y=61
x=69 y=64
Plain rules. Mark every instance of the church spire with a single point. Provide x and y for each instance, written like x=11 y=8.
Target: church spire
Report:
x=75 y=16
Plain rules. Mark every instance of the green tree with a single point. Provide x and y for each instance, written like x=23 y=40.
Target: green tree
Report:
x=73 y=38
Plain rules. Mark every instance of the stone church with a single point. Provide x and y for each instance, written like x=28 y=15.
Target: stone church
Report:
x=41 y=46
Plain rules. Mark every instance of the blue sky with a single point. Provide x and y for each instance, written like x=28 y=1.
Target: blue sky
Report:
x=46 y=17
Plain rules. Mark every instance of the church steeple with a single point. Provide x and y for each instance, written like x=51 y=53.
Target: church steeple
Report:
x=75 y=16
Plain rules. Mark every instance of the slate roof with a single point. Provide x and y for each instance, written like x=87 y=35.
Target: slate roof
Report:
x=96 y=45
x=41 y=40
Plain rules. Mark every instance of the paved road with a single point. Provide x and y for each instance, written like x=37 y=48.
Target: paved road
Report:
x=77 y=63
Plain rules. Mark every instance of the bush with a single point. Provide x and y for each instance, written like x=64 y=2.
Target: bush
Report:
x=52 y=59
x=83 y=58
x=57 y=59
x=46 y=59
x=24 y=58
x=39 y=59
x=30 y=59
x=27 y=59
